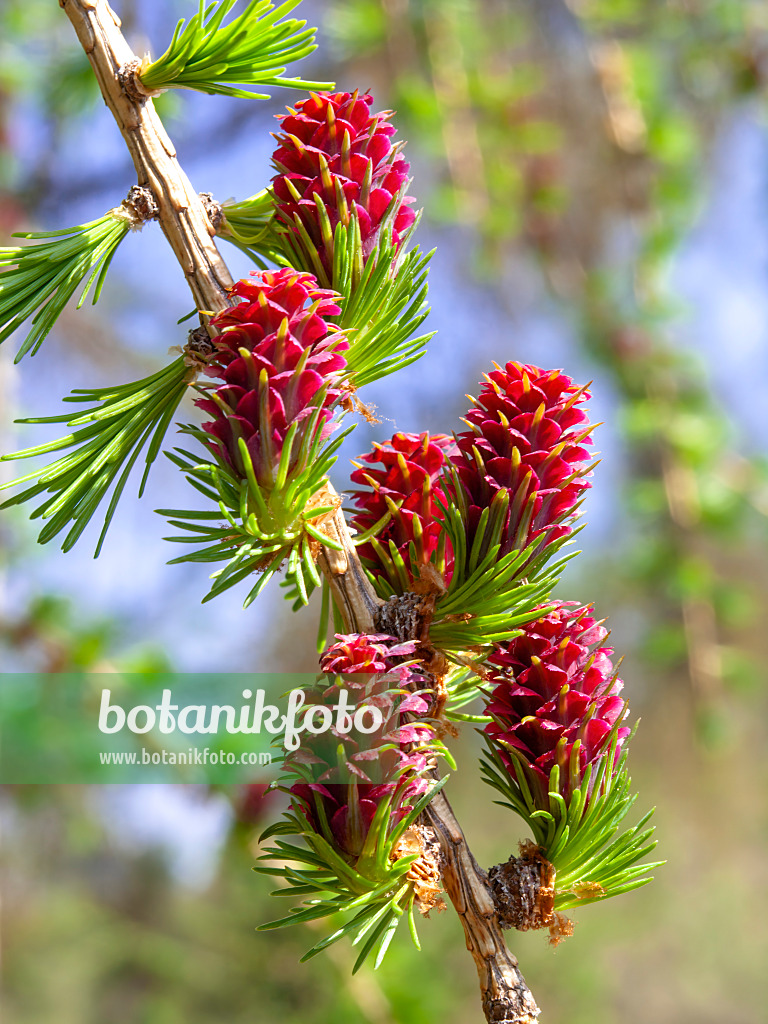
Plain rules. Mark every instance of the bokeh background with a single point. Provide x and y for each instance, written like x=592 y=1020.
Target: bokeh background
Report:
x=594 y=176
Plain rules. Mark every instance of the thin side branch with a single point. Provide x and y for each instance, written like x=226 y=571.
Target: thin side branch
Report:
x=180 y=209
x=506 y=997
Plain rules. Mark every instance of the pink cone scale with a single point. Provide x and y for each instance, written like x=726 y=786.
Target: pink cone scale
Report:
x=345 y=810
x=527 y=436
x=367 y=653
x=402 y=476
x=555 y=700
x=336 y=160
x=280 y=362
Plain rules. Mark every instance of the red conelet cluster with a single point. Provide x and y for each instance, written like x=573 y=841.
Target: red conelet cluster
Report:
x=555 y=700
x=336 y=160
x=403 y=479
x=527 y=435
x=390 y=765
x=280 y=362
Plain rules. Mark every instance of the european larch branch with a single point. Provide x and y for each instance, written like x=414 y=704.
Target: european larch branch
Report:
x=506 y=997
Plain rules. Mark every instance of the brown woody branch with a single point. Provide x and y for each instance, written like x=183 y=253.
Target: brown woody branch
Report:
x=183 y=218
x=505 y=994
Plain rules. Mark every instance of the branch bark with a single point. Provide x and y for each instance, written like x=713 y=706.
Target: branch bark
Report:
x=354 y=596
x=505 y=994
x=506 y=997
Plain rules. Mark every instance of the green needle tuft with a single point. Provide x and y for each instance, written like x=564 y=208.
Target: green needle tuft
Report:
x=107 y=441
x=40 y=279
x=253 y=49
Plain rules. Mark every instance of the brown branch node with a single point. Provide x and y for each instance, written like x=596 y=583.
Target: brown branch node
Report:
x=403 y=616
x=130 y=83
x=199 y=348
x=213 y=208
x=523 y=891
x=140 y=205
x=408 y=616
